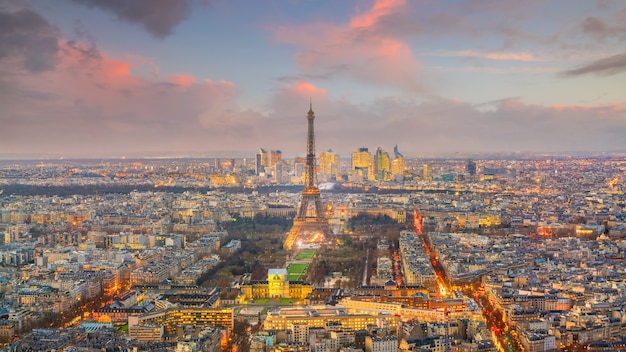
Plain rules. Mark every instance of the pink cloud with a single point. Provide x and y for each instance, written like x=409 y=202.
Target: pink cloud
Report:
x=182 y=80
x=92 y=102
x=359 y=49
x=116 y=68
x=512 y=104
x=307 y=89
x=490 y=55
x=498 y=55
x=604 y=108
x=381 y=8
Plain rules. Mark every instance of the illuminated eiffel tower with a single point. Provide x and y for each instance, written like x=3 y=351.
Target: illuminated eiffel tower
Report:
x=309 y=225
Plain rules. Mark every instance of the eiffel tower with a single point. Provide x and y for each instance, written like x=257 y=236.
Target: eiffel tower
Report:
x=309 y=225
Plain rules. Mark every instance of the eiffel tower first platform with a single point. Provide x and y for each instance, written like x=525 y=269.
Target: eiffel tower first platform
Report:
x=309 y=225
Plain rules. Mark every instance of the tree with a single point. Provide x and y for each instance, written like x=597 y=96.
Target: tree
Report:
x=223 y=282
x=259 y=272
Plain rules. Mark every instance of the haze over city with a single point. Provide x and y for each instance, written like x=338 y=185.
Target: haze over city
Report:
x=110 y=78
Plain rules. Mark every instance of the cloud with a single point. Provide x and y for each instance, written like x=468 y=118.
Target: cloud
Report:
x=608 y=66
x=308 y=89
x=358 y=49
x=100 y=106
x=182 y=80
x=90 y=102
x=449 y=126
x=86 y=101
x=158 y=17
x=381 y=9
x=511 y=125
x=603 y=29
x=27 y=39
x=493 y=55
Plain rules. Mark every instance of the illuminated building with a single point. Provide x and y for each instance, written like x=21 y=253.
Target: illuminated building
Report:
x=382 y=165
x=309 y=225
x=146 y=332
x=265 y=161
x=7 y=330
x=275 y=156
x=261 y=161
x=427 y=173
x=325 y=317
x=401 y=311
x=420 y=301
x=152 y=274
x=362 y=163
x=227 y=165
x=277 y=285
x=223 y=180
x=329 y=164
x=119 y=315
x=537 y=341
x=381 y=344
x=397 y=165
x=172 y=318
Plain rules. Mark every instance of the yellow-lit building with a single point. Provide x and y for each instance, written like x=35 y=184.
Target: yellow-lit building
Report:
x=397 y=166
x=223 y=180
x=7 y=331
x=489 y=220
x=329 y=164
x=146 y=332
x=427 y=173
x=326 y=316
x=362 y=163
x=172 y=318
x=382 y=165
x=275 y=156
x=277 y=285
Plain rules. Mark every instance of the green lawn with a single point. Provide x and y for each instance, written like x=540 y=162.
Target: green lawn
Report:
x=296 y=271
x=306 y=254
x=294 y=277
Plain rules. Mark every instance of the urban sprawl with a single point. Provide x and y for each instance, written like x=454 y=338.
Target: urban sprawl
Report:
x=515 y=253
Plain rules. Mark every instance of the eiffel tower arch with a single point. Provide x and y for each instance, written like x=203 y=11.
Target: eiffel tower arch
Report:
x=309 y=225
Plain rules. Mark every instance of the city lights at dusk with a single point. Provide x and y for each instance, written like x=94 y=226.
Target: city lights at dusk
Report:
x=313 y=175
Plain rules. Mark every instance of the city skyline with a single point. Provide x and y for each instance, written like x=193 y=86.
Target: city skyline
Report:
x=104 y=79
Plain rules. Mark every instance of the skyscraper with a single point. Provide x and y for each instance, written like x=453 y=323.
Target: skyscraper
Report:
x=275 y=157
x=329 y=165
x=427 y=173
x=261 y=161
x=362 y=163
x=309 y=224
x=470 y=167
x=382 y=165
x=265 y=161
x=397 y=165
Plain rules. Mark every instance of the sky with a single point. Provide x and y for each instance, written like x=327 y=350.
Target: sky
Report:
x=112 y=78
